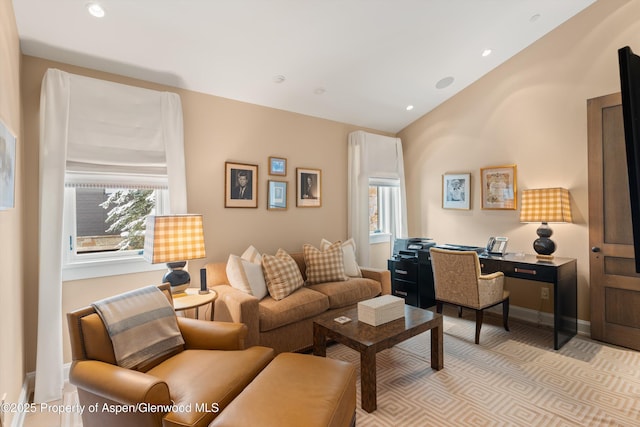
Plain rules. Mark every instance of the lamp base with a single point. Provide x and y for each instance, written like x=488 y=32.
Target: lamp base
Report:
x=178 y=278
x=543 y=245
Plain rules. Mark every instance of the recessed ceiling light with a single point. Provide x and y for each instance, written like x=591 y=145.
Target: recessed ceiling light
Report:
x=95 y=10
x=445 y=82
x=534 y=18
x=279 y=78
x=409 y=107
x=486 y=52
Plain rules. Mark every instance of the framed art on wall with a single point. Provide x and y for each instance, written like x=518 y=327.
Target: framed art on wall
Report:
x=308 y=188
x=7 y=168
x=277 y=166
x=499 y=189
x=240 y=185
x=277 y=197
x=456 y=190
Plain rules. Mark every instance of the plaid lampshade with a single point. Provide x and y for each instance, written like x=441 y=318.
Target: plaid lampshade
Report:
x=545 y=205
x=173 y=238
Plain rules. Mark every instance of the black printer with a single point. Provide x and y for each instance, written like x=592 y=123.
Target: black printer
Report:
x=411 y=272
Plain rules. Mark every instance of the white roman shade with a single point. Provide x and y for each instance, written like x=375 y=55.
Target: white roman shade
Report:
x=95 y=132
x=374 y=160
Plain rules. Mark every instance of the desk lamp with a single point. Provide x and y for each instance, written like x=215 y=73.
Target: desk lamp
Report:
x=545 y=205
x=174 y=239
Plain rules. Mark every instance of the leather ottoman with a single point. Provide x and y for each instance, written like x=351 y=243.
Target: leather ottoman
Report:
x=296 y=390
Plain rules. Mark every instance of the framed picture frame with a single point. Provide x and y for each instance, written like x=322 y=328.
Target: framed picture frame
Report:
x=277 y=166
x=277 y=195
x=456 y=191
x=499 y=187
x=240 y=185
x=308 y=188
x=7 y=168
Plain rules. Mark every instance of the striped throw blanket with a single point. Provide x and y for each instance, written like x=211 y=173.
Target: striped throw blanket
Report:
x=142 y=325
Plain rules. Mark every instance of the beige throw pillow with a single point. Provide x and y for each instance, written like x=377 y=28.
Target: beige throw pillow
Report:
x=324 y=266
x=351 y=267
x=282 y=274
x=246 y=276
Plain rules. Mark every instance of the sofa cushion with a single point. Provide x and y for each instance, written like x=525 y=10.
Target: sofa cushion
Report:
x=282 y=274
x=352 y=291
x=246 y=276
x=301 y=304
x=324 y=266
x=351 y=267
x=208 y=378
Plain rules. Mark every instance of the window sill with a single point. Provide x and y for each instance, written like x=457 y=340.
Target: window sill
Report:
x=375 y=238
x=107 y=267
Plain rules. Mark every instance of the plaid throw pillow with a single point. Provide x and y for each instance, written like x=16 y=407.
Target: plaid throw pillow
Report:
x=282 y=274
x=324 y=266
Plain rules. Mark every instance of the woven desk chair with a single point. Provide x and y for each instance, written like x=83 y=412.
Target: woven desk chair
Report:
x=459 y=281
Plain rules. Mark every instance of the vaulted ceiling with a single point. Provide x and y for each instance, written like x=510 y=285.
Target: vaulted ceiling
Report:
x=362 y=62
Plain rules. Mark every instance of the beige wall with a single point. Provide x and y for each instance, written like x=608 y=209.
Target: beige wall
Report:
x=531 y=111
x=216 y=130
x=12 y=258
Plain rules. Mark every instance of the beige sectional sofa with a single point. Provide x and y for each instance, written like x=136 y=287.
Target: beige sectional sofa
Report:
x=287 y=324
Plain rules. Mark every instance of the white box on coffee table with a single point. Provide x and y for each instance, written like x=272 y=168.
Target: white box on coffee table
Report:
x=379 y=310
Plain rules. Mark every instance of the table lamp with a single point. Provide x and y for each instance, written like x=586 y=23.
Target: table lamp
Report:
x=174 y=239
x=545 y=205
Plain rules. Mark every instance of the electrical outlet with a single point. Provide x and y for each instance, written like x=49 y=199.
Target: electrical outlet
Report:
x=544 y=293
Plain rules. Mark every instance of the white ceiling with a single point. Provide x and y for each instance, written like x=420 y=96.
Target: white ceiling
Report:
x=370 y=59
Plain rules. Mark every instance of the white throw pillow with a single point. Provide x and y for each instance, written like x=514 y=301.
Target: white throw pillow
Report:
x=252 y=255
x=351 y=267
x=245 y=275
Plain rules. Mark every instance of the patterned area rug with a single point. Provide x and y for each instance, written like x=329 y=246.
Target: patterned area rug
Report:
x=511 y=379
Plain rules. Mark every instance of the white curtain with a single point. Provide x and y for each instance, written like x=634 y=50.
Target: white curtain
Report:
x=373 y=156
x=89 y=125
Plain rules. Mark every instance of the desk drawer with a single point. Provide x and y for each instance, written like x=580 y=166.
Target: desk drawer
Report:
x=530 y=272
x=406 y=290
x=405 y=270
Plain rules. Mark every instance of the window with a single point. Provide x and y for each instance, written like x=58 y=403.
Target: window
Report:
x=104 y=226
x=383 y=196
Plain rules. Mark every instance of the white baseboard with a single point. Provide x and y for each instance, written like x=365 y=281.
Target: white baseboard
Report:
x=28 y=386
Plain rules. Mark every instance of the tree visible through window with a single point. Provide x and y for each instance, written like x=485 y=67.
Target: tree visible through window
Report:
x=112 y=219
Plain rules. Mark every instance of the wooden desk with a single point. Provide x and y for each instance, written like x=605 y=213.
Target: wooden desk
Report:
x=561 y=272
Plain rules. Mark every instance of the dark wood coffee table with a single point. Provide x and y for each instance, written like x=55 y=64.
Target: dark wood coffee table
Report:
x=368 y=340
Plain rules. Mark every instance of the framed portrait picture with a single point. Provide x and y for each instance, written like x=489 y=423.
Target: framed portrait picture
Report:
x=456 y=190
x=277 y=166
x=277 y=197
x=499 y=188
x=7 y=168
x=240 y=185
x=308 y=188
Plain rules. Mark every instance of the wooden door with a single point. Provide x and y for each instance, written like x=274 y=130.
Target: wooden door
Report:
x=614 y=283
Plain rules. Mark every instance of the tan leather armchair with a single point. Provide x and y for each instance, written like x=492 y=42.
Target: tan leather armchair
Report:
x=458 y=280
x=187 y=387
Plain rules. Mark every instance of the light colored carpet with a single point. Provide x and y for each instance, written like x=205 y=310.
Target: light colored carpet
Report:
x=511 y=379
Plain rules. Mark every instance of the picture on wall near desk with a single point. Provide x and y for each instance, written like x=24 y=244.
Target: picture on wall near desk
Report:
x=499 y=189
x=240 y=185
x=277 y=197
x=308 y=188
x=7 y=168
x=456 y=192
